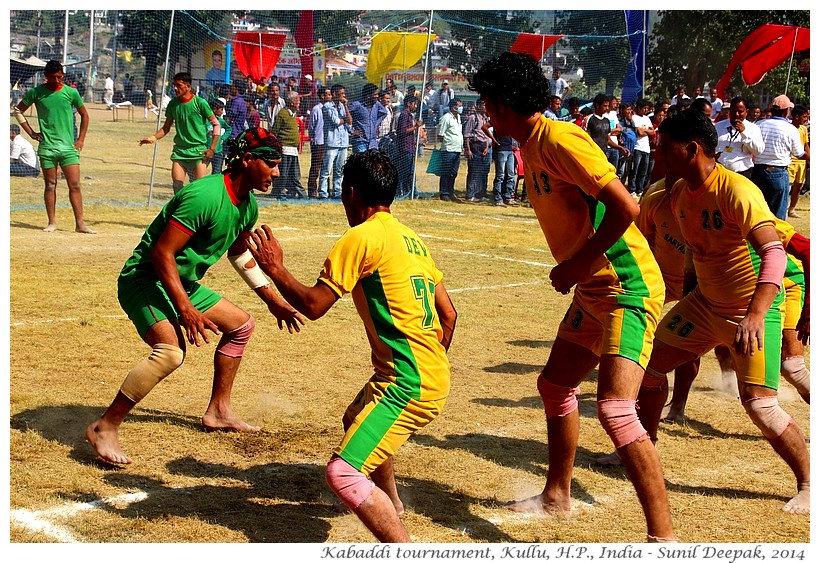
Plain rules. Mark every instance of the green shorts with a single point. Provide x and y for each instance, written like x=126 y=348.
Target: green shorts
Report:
x=145 y=302
x=51 y=158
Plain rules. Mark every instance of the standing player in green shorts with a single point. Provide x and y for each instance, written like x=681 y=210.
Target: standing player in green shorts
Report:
x=158 y=287
x=55 y=103
x=191 y=115
x=409 y=320
x=740 y=261
x=587 y=217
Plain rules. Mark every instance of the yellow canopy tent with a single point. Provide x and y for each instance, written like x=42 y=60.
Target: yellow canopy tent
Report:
x=393 y=50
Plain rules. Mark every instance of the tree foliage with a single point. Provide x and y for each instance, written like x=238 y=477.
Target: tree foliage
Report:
x=478 y=37
x=692 y=47
x=592 y=47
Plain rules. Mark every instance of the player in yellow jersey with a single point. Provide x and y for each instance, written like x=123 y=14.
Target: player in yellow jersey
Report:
x=409 y=320
x=740 y=263
x=587 y=217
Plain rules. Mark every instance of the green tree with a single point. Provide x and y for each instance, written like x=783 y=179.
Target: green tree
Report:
x=595 y=41
x=691 y=47
x=481 y=35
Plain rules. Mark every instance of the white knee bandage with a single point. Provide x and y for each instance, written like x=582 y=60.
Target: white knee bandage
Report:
x=558 y=400
x=619 y=417
x=144 y=376
x=233 y=343
x=794 y=371
x=351 y=486
x=767 y=415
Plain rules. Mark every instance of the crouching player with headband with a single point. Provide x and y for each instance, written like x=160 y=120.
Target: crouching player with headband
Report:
x=158 y=287
x=409 y=320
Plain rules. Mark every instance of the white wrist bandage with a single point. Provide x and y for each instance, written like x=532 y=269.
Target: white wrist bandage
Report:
x=252 y=276
x=18 y=115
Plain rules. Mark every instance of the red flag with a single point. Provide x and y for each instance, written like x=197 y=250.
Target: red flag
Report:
x=257 y=53
x=764 y=49
x=304 y=43
x=533 y=44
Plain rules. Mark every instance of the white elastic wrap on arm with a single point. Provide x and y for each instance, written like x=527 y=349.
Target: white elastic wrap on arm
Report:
x=252 y=276
x=18 y=115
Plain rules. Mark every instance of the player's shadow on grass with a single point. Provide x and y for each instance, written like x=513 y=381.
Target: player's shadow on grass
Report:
x=66 y=425
x=587 y=404
x=272 y=503
x=515 y=368
x=21 y=225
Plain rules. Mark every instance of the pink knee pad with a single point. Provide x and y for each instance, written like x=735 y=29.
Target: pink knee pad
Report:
x=794 y=370
x=558 y=400
x=233 y=343
x=619 y=417
x=767 y=415
x=351 y=486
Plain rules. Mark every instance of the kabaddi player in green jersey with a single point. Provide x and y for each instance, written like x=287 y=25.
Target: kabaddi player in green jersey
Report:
x=409 y=320
x=739 y=261
x=587 y=217
x=55 y=103
x=191 y=115
x=158 y=287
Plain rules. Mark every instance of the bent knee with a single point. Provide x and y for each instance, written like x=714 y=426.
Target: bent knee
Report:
x=619 y=418
x=349 y=484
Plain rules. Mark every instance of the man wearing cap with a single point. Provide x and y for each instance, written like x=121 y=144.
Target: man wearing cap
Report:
x=781 y=142
x=159 y=287
x=440 y=101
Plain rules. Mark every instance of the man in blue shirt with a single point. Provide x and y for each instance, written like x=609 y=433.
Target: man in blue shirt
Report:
x=367 y=114
x=337 y=121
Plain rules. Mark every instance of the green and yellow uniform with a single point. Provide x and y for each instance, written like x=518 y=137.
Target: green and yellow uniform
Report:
x=392 y=278
x=715 y=220
x=797 y=168
x=191 y=122
x=55 y=111
x=207 y=210
x=617 y=309
x=658 y=224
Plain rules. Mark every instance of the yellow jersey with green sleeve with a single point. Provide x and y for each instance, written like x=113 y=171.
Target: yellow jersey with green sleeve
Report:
x=392 y=278
x=658 y=224
x=565 y=172
x=715 y=219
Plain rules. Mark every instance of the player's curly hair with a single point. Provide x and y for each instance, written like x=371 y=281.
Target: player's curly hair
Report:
x=691 y=125
x=373 y=175
x=515 y=80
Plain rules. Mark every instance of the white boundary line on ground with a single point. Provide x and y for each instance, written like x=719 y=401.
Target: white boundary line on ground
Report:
x=482 y=255
x=486 y=287
x=63 y=320
x=41 y=520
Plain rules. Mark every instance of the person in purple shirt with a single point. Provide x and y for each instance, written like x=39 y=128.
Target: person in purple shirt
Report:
x=236 y=112
x=367 y=113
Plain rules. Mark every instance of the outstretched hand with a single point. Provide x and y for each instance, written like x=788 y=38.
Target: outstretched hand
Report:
x=265 y=249
x=286 y=316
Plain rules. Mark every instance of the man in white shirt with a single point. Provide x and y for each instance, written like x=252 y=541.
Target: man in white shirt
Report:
x=739 y=140
x=639 y=176
x=108 y=86
x=680 y=95
x=558 y=85
x=717 y=103
x=316 y=132
x=23 y=158
x=771 y=170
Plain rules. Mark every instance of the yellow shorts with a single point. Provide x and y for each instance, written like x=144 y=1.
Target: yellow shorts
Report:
x=379 y=420
x=797 y=172
x=602 y=324
x=794 y=303
x=696 y=326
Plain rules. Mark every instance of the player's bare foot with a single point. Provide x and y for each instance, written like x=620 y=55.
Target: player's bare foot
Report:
x=671 y=414
x=799 y=504
x=106 y=443
x=227 y=424
x=50 y=228
x=538 y=505
x=86 y=230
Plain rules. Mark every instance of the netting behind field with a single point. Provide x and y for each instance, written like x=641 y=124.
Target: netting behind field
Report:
x=302 y=50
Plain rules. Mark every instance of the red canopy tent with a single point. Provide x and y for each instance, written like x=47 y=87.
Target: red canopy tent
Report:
x=764 y=49
x=257 y=53
x=533 y=44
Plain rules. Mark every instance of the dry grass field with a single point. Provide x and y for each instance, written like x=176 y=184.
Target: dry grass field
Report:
x=71 y=346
